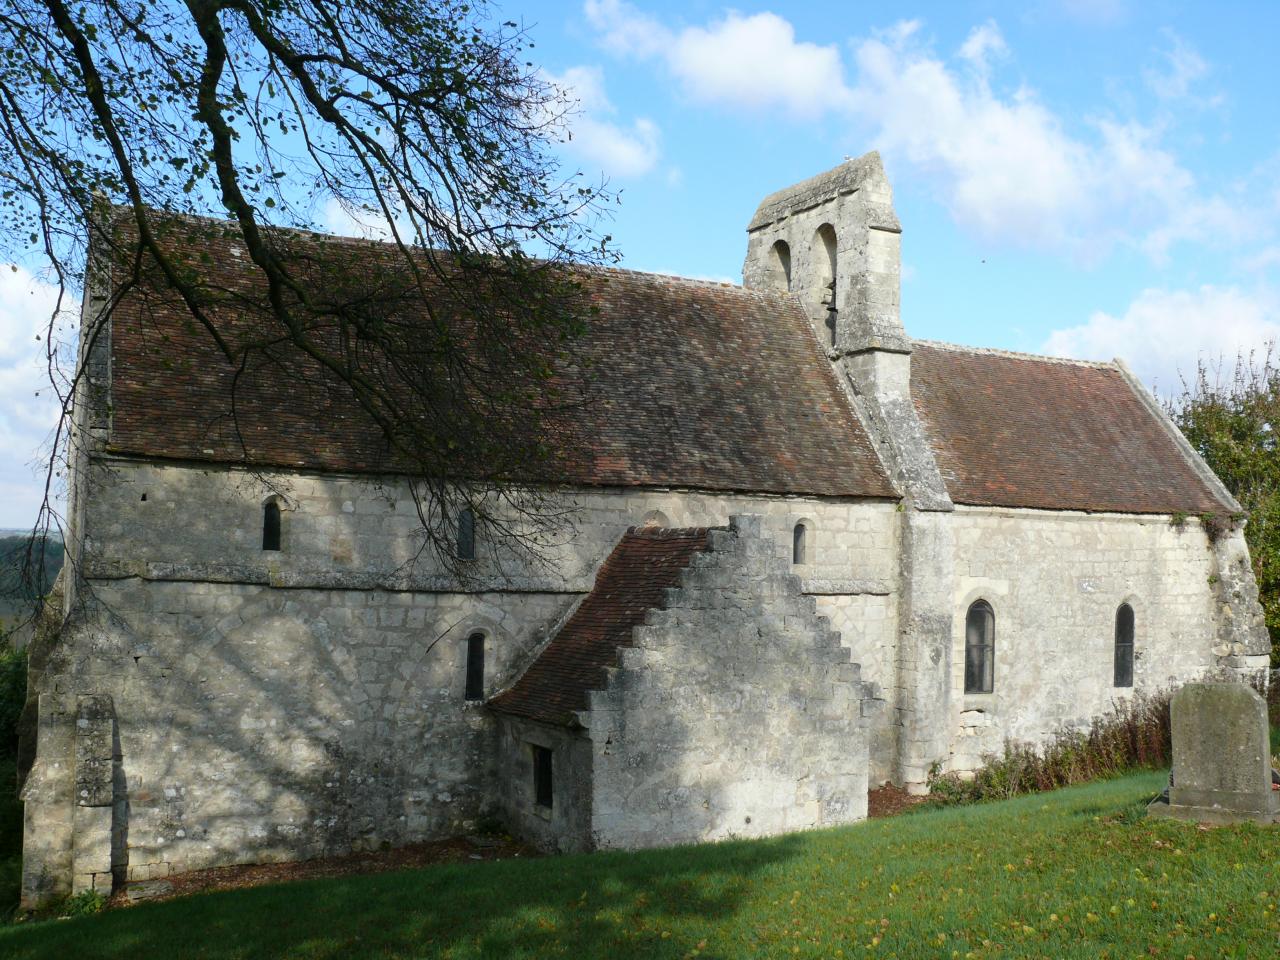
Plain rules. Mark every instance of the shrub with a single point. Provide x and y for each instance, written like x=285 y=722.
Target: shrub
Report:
x=1134 y=735
x=13 y=694
x=82 y=904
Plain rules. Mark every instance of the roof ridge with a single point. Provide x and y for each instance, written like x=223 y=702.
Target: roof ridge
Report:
x=1014 y=354
x=344 y=238
x=655 y=532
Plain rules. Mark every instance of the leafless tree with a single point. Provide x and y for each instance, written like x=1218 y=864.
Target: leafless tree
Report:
x=123 y=122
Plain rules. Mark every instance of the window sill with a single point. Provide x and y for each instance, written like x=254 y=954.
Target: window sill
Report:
x=543 y=812
x=982 y=702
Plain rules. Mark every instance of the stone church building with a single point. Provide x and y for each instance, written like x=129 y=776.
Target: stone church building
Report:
x=807 y=555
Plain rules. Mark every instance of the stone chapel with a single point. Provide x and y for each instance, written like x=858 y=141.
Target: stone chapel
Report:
x=807 y=555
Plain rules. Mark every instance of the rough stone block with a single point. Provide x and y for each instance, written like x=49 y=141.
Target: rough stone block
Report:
x=1221 y=756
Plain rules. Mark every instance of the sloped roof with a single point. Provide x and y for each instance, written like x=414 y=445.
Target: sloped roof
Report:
x=1020 y=431
x=692 y=384
x=629 y=584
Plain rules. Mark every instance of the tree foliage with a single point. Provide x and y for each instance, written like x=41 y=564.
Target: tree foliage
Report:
x=1233 y=424
x=422 y=119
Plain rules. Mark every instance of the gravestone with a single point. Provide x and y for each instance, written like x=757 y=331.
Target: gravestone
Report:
x=1221 y=756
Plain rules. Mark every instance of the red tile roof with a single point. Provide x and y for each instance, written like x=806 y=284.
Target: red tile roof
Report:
x=629 y=584
x=1021 y=431
x=692 y=384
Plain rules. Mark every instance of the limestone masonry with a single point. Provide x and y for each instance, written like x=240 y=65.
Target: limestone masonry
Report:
x=803 y=555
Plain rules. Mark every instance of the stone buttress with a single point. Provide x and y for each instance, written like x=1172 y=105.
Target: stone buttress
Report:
x=839 y=240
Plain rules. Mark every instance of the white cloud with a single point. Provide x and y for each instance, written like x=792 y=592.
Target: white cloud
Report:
x=348 y=221
x=1183 y=67
x=1006 y=165
x=982 y=45
x=1165 y=334
x=618 y=150
x=746 y=62
x=1263 y=260
x=28 y=406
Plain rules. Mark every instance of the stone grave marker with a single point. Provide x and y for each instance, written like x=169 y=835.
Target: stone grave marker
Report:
x=1221 y=756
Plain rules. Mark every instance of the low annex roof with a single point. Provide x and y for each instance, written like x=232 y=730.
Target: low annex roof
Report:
x=630 y=583
x=694 y=384
x=1014 y=430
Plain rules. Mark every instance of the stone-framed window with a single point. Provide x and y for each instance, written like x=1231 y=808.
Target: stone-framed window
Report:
x=824 y=256
x=800 y=543
x=1122 y=673
x=780 y=267
x=475 y=667
x=979 y=648
x=465 y=545
x=543 y=788
x=271 y=525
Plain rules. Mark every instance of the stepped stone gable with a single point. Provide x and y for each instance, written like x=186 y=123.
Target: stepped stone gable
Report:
x=736 y=713
x=715 y=702
x=631 y=582
x=1021 y=431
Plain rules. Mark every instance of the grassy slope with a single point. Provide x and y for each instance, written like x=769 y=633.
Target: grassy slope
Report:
x=1075 y=873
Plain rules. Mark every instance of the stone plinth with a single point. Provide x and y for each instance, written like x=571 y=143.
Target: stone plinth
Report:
x=1221 y=756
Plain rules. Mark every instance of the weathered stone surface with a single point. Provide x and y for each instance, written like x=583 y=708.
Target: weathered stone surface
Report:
x=1221 y=756
x=737 y=713
x=148 y=890
x=291 y=704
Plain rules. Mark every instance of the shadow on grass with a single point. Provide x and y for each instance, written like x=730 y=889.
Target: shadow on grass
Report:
x=612 y=904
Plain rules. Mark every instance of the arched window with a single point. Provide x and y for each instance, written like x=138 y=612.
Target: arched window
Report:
x=465 y=548
x=475 y=667
x=780 y=267
x=1123 y=672
x=979 y=648
x=799 y=543
x=825 y=256
x=655 y=518
x=271 y=525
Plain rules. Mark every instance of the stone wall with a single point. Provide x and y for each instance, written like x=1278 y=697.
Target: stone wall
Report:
x=1055 y=581
x=737 y=713
x=565 y=826
x=282 y=705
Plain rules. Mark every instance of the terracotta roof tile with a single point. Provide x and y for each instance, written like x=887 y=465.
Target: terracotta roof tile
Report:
x=629 y=584
x=1022 y=431
x=691 y=384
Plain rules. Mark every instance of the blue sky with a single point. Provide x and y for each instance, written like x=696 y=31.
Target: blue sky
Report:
x=1092 y=177
x=1083 y=177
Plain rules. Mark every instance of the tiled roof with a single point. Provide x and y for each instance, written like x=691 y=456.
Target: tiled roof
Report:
x=630 y=583
x=691 y=384
x=1022 y=431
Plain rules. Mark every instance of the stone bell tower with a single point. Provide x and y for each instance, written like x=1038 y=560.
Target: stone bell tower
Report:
x=833 y=242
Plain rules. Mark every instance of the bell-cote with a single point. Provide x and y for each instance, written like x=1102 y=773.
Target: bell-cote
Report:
x=833 y=241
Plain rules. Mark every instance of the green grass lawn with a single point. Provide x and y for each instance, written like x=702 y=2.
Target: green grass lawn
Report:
x=1076 y=873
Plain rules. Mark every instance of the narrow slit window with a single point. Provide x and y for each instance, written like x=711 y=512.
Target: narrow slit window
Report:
x=542 y=786
x=979 y=648
x=475 y=666
x=799 y=543
x=271 y=526
x=1123 y=671
x=466 y=546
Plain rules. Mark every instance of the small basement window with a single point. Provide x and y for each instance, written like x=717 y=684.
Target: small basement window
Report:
x=542 y=790
x=271 y=525
x=475 y=666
